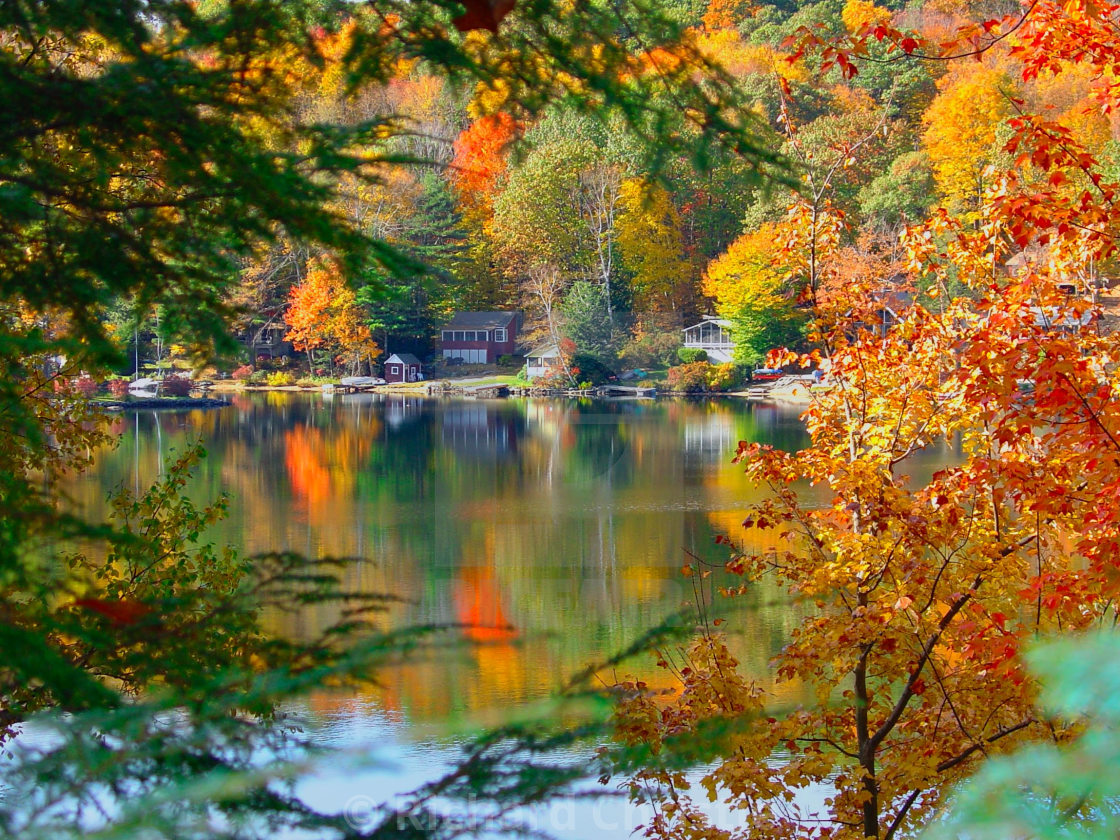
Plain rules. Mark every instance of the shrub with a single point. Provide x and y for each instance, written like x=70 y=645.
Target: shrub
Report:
x=86 y=386
x=307 y=382
x=118 y=387
x=701 y=377
x=725 y=377
x=590 y=369
x=258 y=377
x=553 y=379
x=243 y=373
x=506 y=360
x=280 y=378
x=692 y=355
x=177 y=386
x=690 y=378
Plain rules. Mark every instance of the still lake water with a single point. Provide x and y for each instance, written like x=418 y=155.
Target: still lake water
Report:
x=566 y=521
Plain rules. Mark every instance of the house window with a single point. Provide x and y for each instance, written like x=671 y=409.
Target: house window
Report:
x=500 y=335
x=447 y=335
x=393 y=369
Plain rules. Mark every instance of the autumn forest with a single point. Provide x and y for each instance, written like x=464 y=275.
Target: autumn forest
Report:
x=565 y=216
x=917 y=202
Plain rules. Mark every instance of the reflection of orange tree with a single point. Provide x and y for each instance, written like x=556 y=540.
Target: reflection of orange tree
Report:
x=478 y=606
x=502 y=669
x=480 y=609
x=322 y=469
x=311 y=482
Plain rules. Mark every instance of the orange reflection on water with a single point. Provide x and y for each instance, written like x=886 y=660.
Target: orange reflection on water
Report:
x=478 y=606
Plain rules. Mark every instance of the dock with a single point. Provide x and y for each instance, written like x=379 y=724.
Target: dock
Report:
x=787 y=387
x=486 y=392
x=625 y=391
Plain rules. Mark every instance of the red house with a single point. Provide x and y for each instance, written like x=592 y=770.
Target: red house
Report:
x=402 y=367
x=479 y=338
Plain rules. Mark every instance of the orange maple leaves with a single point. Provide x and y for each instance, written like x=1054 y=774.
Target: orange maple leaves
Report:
x=323 y=312
x=481 y=158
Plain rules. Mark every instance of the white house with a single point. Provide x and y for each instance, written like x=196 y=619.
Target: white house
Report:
x=712 y=335
x=1061 y=319
x=543 y=361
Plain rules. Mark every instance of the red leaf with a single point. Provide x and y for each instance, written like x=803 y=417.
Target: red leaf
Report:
x=123 y=613
x=482 y=14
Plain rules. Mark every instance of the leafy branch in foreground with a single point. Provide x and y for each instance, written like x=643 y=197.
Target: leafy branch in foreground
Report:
x=157 y=683
x=150 y=146
x=1049 y=791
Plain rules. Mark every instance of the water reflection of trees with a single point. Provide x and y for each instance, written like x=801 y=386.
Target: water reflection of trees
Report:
x=569 y=521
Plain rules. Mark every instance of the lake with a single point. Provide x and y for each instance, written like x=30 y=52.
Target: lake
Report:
x=551 y=532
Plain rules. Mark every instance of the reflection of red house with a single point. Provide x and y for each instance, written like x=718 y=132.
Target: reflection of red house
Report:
x=402 y=367
x=480 y=337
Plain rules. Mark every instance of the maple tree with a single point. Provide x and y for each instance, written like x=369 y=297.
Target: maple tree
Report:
x=925 y=580
x=324 y=313
x=481 y=156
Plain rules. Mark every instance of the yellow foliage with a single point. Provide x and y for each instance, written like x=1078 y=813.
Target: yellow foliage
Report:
x=649 y=240
x=726 y=47
x=745 y=277
x=860 y=13
x=960 y=135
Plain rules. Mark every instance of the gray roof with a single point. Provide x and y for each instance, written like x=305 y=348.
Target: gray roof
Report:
x=403 y=358
x=480 y=320
x=547 y=350
x=708 y=319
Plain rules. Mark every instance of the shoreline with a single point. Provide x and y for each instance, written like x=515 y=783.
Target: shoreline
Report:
x=431 y=389
x=161 y=403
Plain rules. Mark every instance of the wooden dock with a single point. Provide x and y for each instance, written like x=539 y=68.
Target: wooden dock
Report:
x=795 y=387
x=357 y=384
x=625 y=391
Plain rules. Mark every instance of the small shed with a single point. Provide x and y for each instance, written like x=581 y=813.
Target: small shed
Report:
x=543 y=361
x=403 y=367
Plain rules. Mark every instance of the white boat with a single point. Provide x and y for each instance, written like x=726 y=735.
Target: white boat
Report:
x=143 y=384
x=360 y=381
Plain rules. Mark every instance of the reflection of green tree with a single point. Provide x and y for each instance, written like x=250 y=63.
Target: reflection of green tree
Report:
x=600 y=452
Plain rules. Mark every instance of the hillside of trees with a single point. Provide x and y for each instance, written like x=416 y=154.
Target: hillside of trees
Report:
x=512 y=210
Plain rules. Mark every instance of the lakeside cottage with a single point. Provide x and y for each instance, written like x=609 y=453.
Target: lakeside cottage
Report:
x=267 y=340
x=543 y=361
x=712 y=335
x=479 y=338
x=403 y=367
